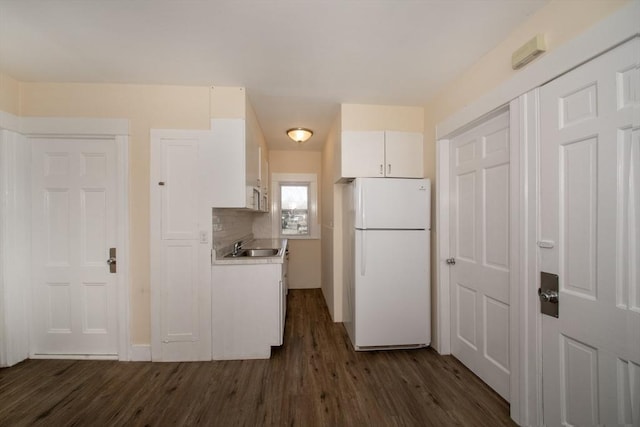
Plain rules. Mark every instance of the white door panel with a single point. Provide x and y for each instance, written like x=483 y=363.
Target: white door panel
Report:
x=480 y=245
x=74 y=225
x=180 y=192
x=179 y=291
x=589 y=197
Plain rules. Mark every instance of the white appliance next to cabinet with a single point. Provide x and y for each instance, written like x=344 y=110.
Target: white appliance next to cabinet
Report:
x=386 y=250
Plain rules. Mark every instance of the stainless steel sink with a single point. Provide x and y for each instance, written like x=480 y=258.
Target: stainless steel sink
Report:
x=262 y=252
x=254 y=253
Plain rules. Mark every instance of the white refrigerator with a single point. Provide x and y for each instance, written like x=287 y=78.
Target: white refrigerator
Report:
x=386 y=271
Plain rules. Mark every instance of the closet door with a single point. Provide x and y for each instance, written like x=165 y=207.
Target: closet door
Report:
x=180 y=248
x=590 y=214
x=480 y=300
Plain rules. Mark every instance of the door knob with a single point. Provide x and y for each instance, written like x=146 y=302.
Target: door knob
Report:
x=547 y=295
x=451 y=261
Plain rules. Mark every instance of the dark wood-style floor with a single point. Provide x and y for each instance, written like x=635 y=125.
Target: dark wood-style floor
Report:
x=314 y=379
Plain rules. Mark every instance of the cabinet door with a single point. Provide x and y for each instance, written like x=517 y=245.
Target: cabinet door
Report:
x=363 y=154
x=226 y=185
x=179 y=185
x=264 y=180
x=403 y=154
x=252 y=153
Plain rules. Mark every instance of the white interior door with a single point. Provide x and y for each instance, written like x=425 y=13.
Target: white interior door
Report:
x=590 y=214
x=180 y=247
x=480 y=246
x=74 y=295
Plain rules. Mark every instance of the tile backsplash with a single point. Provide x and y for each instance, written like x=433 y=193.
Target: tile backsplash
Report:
x=230 y=225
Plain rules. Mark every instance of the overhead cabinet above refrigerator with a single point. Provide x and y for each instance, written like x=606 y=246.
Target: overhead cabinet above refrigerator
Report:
x=379 y=154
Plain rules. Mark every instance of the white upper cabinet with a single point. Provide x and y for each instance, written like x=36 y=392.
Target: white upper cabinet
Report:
x=380 y=154
x=235 y=177
x=227 y=176
x=264 y=180
x=252 y=155
x=403 y=154
x=362 y=154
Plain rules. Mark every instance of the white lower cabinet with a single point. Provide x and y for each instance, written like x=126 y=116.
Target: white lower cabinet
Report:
x=249 y=305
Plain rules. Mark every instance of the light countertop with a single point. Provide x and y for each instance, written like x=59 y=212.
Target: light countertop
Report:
x=219 y=259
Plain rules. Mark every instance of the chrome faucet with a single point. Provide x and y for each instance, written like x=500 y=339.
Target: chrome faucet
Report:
x=236 y=247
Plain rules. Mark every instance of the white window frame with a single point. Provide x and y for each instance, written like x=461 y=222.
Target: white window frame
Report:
x=310 y=179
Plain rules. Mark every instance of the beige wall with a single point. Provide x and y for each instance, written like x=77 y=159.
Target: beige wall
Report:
x=228 y=102
x=305 y=255
x=9 y=95
x=559 y=20
x=146 y=107
x=363 y=117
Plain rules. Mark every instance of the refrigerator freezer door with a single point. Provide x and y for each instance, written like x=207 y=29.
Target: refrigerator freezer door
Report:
x=392 y=297
x=392 y=203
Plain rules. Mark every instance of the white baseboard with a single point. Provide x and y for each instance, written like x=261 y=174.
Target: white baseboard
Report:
x=140 y=353
x=75 y=356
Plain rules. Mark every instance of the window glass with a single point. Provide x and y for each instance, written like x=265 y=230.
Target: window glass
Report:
x=294 y=209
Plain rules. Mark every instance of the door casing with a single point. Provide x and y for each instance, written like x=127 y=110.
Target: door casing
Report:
x=116 y=130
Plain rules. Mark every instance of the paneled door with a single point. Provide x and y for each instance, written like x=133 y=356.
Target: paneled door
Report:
x=590 y=227
x=480 y=247
x=180 y=246
x=74 y=295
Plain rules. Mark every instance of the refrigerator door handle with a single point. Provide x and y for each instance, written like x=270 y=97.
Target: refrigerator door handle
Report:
x=361 y=206
x=363 y=255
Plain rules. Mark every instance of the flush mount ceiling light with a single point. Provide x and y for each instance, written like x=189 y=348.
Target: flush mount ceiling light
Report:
x=299 y=135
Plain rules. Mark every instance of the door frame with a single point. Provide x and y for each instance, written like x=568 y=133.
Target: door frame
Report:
x=520 y=93
x=116 y=130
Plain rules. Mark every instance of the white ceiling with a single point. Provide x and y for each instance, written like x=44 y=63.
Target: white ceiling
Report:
x=298 y=59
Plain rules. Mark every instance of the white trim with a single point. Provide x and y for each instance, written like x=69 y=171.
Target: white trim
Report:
x=122 y=185
x=529 y=323
x=15 y=247
x=314 y=225
x=442 y=342
x=155 y=239
x=515 y=283
x=75 y=356
x=9 y=121
x=73 y=126
x=140 y=353
x=611 y=31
